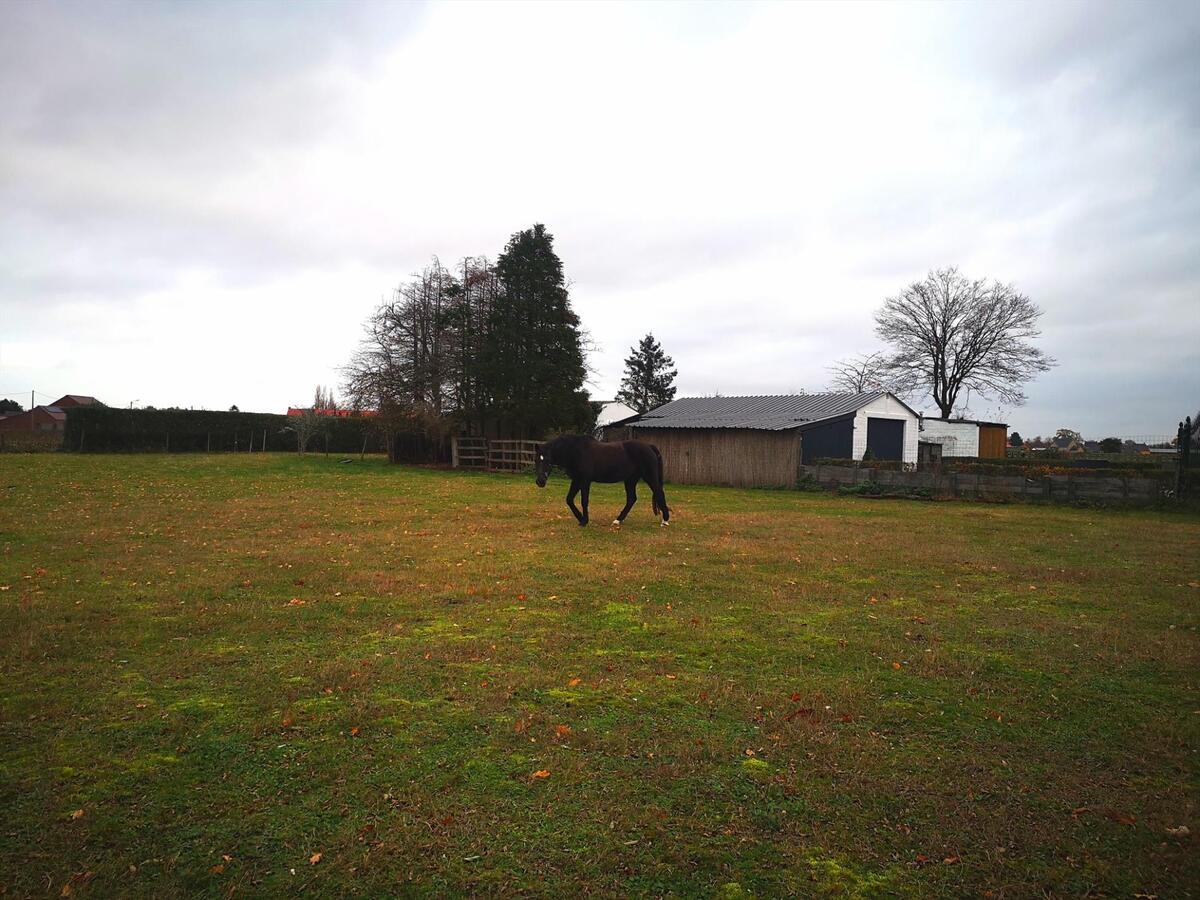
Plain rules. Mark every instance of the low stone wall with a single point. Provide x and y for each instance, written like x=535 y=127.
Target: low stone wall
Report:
x=1058 y=488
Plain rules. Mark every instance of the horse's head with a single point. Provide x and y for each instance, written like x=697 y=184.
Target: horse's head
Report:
x=542 y=464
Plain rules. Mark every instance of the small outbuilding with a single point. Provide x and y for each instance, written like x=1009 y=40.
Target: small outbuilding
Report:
x=967 y=437
x=762 y=441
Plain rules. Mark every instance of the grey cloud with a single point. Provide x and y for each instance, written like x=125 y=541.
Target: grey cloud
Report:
x=131 y=135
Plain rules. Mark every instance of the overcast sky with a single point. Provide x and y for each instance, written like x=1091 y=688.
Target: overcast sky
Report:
x=201 y=203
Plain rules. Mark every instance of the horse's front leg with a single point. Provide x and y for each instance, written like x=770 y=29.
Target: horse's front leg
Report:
x=571 y=502
x=585 y=490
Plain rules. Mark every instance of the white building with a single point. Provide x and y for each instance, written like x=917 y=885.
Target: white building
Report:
x=966 y=437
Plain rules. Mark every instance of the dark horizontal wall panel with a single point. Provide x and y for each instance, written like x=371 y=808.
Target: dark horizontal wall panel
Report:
x=829 y=440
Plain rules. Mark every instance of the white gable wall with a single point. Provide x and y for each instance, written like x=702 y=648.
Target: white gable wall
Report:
x=613 y=411
x=956 y=438
x=886 y=407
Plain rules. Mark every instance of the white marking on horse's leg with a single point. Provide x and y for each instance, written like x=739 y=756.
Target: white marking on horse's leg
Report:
x=665 y=523
x=617 y=522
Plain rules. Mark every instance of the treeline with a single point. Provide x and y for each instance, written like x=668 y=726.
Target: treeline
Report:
x=485 y=348
x=107 y=429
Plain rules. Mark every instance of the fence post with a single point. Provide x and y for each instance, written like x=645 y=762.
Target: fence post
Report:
x=454 y=452
x=1184 y=443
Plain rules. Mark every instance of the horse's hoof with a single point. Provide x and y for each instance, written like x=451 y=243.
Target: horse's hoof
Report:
x=617 y=522
x=664 y=524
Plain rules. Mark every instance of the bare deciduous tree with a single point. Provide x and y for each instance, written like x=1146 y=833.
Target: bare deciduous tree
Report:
x=308 y=424
x=949 y=332
x=865 y=372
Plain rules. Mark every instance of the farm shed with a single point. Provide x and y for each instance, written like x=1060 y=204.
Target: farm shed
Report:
x=966 y=437
x=762 y=441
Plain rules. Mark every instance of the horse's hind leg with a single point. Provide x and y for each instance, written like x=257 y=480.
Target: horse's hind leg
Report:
x=662 y=506
x=660 y=499
x=630 y=499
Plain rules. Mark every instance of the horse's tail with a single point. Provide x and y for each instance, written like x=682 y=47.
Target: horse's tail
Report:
x=655 y=493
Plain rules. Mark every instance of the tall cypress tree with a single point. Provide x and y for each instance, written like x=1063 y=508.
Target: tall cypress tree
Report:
x=649 y=376
x=533 y=366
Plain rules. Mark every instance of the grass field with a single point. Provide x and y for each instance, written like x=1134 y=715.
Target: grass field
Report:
x=262 y=675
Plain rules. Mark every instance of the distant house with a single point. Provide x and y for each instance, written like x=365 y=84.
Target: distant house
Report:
x=761 y=441
x=966 y=437
x=69 y=400
x=43 y=419
x=336 y=413
x=1067 y=445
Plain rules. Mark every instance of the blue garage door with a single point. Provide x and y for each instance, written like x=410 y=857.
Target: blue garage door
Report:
x=885 y=438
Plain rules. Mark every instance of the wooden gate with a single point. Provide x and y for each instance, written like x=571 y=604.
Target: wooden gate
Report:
x=469 y=453
x=493 y=455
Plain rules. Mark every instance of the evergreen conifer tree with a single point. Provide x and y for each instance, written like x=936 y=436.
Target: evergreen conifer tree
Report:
x=533 y=366
x=649 y=376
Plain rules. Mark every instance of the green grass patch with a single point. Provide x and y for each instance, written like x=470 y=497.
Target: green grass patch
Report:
x=271 y=675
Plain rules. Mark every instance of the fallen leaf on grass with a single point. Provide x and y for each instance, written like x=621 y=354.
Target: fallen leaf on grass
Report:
x=950 y=860
x=562 y=730
x=804 y=713
x=573 y=682
x=296 y=601
x=1181 y=832
x=520 y=725
x=314 y=859
x=541 y=773
x=217 y=869
x=1121 y=818
x=78 y=814
x=895 y=665
x=354 y=731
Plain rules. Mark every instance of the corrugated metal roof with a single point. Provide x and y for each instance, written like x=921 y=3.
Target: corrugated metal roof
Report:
x=761 y=413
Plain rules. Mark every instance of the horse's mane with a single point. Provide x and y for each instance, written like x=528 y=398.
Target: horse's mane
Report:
x=565 y=445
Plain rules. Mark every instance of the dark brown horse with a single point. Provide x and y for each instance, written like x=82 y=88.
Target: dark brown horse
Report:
x=586 y=459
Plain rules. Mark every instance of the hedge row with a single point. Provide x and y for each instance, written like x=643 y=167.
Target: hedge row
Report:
x=1033 y=468
x=108 y=429
x=1073 y=462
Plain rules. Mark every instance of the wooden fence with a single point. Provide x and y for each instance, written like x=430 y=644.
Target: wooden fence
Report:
x=487 y=455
